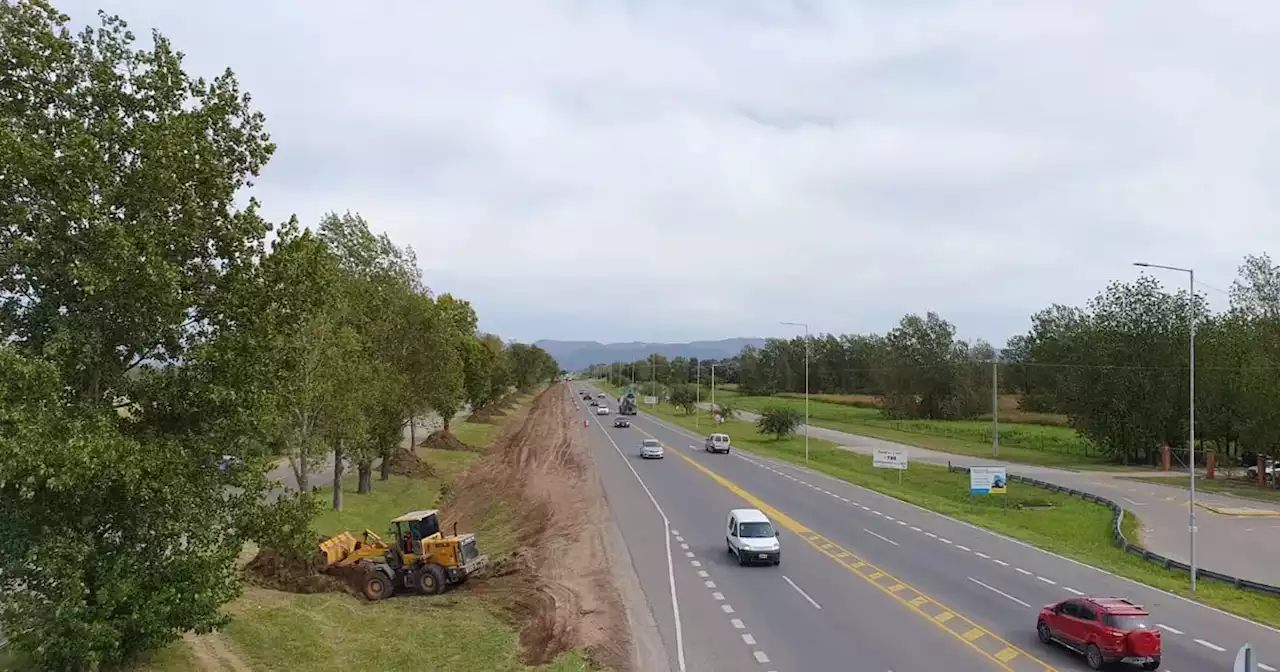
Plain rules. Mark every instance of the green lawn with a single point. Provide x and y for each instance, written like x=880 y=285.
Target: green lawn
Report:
x=1072 y=527
x=460 y=630
x=1218 y=485
x=1044 y=445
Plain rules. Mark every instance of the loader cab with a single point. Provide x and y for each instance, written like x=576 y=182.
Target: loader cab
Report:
x=414 y=532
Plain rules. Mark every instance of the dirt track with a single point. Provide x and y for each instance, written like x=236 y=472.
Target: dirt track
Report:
x=563 y=589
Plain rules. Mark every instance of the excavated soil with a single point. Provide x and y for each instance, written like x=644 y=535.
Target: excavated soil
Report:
x=558 y=584
x=407 y=463
x=270 y=569
x=442 y=439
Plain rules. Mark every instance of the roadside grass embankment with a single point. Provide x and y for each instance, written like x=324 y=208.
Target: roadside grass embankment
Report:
x=463 y=629
x=1055 y=522
x=1038 y=444
x=1219 y=486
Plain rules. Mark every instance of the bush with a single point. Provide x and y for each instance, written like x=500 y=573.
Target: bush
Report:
x=779 y=421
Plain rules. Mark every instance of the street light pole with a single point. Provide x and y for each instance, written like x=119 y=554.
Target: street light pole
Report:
x=1191 y=404
x=806 y=386
x=697 y=395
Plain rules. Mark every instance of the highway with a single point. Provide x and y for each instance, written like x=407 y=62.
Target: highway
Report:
x=866 y=583
x=1238 y=545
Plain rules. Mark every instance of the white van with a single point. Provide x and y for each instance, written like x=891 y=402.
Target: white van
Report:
x=752 y=539
x=717 y=443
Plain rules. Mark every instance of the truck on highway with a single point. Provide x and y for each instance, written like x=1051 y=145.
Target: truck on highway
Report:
x=627 y=403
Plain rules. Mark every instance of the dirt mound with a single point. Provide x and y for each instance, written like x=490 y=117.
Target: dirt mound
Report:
x=490 y=414
x=442 y=439
x=558 y=586
x=271 y=569
x=406 y=463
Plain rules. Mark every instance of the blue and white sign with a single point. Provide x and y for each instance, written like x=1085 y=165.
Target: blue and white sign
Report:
x=987 y=481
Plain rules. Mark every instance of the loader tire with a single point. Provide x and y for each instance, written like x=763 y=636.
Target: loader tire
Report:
x=430 y=579
x=375 y=585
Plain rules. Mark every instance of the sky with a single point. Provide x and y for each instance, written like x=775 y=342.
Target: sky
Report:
x=669 y=170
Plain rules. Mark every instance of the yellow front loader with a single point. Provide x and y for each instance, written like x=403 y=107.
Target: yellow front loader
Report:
x=419 y=558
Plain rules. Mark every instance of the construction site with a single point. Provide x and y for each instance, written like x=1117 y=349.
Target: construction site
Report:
x=502 y=564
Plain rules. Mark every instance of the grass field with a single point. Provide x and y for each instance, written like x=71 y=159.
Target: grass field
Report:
x=278 y=631
x=1046 y=445
x=1219 y=486
x=1072 y=527
x=1008 y=405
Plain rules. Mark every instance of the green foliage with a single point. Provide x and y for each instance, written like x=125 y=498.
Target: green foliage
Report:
x=530 y=366
x=779 y=421
x=148 y=330
x=684 y=396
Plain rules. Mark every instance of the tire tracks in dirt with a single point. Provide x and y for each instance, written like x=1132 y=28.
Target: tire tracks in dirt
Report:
x=559 y=583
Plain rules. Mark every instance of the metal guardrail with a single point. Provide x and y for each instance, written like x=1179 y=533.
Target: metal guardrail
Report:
x=1117 y=518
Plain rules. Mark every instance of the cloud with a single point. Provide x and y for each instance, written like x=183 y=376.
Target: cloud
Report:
x=670 y=170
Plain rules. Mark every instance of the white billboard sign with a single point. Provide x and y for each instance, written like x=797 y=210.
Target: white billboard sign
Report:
x=889 y=458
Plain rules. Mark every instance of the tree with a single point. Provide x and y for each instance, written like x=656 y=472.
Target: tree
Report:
x=685 y=397
x=779 y=420
x=120 y=242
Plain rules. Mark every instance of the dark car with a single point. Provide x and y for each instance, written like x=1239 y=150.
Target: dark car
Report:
x=594 y=402
x=1106 y=630
x=621 y=422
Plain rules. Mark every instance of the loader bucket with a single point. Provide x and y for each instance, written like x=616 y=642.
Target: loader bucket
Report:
x=337 y=547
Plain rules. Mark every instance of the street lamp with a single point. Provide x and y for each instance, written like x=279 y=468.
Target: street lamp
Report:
x=806 y=386
x=1191 y=440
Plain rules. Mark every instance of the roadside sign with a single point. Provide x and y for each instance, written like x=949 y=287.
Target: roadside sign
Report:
x=889 y=458
x=1245 y=662
x=650 y=400
x=987 y=481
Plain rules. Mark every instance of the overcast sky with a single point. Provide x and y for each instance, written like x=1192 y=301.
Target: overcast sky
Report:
x=671 y=170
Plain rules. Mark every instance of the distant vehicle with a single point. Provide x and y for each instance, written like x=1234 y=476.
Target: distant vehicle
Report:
x=1268 y=468
x=600 y=395
x=651 y=448
x=594 y=402
x=716 y=443
x=752 y=539
x=622 y=422
x=1106 y=630
x=602 y=410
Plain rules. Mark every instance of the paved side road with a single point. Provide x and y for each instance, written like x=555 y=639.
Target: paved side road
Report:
x=1246 y=547
x=322 y=473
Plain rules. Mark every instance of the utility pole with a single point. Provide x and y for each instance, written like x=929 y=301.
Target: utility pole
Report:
x=995 y=405
x=1191 y=405
x=806 y=386
x=713 y=392
x=697 y=396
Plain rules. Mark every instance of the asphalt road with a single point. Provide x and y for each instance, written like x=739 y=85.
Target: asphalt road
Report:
x=1243 y=546
x=867 y=582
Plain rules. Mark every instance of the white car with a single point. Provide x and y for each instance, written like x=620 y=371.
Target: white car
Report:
x=602 y=410
x=651 y=448
x=752 y=539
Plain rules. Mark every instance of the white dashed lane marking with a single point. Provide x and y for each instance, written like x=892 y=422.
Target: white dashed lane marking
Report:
x=762 y=658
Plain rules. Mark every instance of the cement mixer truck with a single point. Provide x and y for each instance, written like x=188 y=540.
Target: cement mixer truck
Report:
x=627 y=403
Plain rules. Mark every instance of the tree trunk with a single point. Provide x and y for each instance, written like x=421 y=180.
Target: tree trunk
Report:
x=413 y=437
x=303 y=473
x=447 y=420
x=365 y=478
x=337 y=477
x=384 y=472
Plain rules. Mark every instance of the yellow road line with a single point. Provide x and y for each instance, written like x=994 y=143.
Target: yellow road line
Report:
x=988 y=644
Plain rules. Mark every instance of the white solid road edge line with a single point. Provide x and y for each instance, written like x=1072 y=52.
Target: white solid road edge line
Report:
x=668 y=533
x=802 y=593
x=999 y=592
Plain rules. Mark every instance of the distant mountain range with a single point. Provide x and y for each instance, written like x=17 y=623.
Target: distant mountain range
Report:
x=577 y=355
